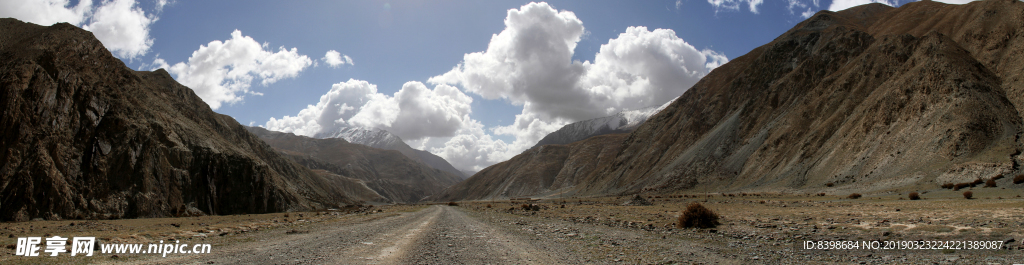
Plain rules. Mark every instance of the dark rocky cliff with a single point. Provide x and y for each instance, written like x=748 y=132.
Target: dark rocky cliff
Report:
x=84 y=136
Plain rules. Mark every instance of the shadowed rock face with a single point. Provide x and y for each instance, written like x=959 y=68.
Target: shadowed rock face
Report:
x=390 y=173
x=872 y=98
x=83 y=136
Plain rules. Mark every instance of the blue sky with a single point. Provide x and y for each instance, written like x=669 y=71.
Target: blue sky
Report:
x=451 y=77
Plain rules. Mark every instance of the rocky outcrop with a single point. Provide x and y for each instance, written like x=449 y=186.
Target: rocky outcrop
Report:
x=84 y=136
x=388 y=172
x=869 y=99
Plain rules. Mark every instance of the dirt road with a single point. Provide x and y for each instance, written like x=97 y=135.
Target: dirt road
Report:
x=436 y=235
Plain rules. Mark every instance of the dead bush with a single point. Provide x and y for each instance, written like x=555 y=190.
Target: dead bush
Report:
x=998 y=177
x=1018 y=179
x=830 y=184
x=990 y=183
x=453 y=204
x=821 y=194
x=914 y=196
x=977 y=182
x=948 y=186
x=696 y=215
x=854 y=196
x=488 y=206
x=959 y=186
x=968 y=195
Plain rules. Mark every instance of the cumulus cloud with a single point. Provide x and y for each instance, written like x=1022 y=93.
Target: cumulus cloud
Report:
x=844 y=4
x=335 y=59
x=120 y=25
x=413 y=113
x=735 y=4
x=47 y=12
x=529 y=64
x=222 y=71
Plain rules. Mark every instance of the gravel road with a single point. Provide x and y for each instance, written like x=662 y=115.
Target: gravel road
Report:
x=435 y=235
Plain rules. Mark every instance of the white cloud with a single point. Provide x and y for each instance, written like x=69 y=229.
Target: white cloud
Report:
x=222 y=71
x=414 y=112
x=956 y=2
x=47 y=12
x=838 y=5
x=807 y=14
x=529 y=64
x=679 y=4
x=342 y=102
x=735 y=4
x=120 y=25
x=161 y=3
x=335 y=59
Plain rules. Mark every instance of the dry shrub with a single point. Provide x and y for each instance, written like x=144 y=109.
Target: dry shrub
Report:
x=830 y=184
x=821 y=194
x=959 y=186
x=453 y=204
x=990 y=183
x=488 y=206
x=948 y=186
x=977 y=182
x=914 y=196
x=854 y=196
x=968 y=195
x=1018 y=179
x=696 y=215
x=998 y=177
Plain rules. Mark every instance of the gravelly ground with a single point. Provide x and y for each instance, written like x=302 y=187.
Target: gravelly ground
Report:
x=587 y=231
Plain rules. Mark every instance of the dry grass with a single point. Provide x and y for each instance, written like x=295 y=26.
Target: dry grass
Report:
x=696 y=215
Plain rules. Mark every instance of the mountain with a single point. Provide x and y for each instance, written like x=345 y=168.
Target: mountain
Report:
x=388 y=172
x=622 y=122
x=869 y=99
x=544 y=171
x=382 y=139
x=84 y=136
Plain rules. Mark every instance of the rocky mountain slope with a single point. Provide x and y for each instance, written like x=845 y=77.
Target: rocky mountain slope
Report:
x=622 y=122
x=84 y=136
x=543 y=171
x=382 y=139
x=869 y=99
x=388 y=172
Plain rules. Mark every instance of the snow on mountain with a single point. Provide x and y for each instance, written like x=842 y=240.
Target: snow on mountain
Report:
x=621 y=122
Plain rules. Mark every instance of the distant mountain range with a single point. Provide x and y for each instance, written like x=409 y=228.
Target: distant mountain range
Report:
x=869 y=99
x=392 y=174
x=382 y=139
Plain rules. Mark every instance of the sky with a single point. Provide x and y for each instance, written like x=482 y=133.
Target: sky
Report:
x=475 y=82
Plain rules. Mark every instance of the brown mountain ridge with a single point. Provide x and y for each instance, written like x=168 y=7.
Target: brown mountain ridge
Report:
x=390 y=173
x=869 y=99
x=84 y=136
